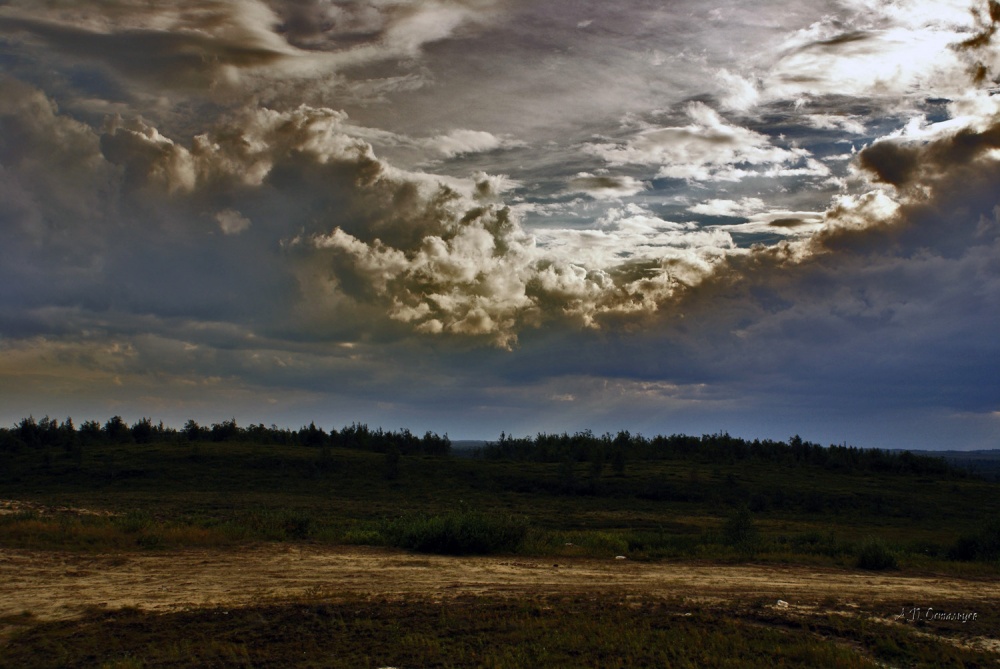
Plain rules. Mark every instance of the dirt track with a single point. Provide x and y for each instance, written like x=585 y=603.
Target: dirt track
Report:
x=53 y=585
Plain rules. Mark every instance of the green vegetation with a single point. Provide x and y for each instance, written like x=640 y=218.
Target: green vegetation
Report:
x=145 y=487
x=483 y=632
x=715 y=496
x=741 y=533
x=458 y=533
x=982 y=545
x=875 y=555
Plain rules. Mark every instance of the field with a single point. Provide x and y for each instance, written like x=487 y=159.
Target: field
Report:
x=177 y=552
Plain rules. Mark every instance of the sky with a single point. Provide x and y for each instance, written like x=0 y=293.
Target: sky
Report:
x=475 y=216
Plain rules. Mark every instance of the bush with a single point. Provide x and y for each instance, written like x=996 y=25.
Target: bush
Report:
x=875 y=555
x=458 y=533
x=983 y=545
x=741 y=533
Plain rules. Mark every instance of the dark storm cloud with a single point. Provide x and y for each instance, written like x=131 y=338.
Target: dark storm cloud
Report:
x=902 y=163
x=180 y=61
x=787 y=222
x=891 y=163
x=206 y=47
x=605 y=186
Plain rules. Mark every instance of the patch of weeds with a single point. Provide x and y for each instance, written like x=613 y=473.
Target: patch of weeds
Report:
x=270 y=525
x=875 y=555
x=134 y=521
x=459 y=533
x=362 y=537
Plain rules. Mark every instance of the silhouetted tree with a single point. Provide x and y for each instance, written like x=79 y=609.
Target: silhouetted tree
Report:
x=225 y=431
x=116 y=431
x=142 y=431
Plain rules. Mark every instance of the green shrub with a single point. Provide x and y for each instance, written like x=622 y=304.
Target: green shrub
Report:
x=741 y=533
x=983 y=545
x=875 y=555
x=458 y=533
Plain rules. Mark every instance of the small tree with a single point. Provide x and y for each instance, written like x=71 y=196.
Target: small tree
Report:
x=27 y=431
x=117 y=431
x=191 y=430
x=142 y=431
x=90 y=432
x=227 y=430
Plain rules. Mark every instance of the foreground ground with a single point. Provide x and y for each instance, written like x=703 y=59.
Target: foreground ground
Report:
x=390 y=607
x=238 y=552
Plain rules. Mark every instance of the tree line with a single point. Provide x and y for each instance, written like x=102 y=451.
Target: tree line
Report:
x=585 y=446
x=48 y=432
x=721 y=447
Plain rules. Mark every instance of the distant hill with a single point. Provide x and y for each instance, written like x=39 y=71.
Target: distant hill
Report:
x=465 y=444
x=465 y=447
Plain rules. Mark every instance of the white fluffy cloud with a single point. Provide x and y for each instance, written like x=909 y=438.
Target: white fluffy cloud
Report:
x=464 y=141
x=440 y=254
x=879 y=51
x=232 y=222
x=722 y=207
x=708 y=149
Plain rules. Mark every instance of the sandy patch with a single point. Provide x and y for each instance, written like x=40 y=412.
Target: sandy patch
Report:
x=54 y=585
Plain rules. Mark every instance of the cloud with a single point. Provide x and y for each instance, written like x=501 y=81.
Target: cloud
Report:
x=849 y=124
x=744 y=207
x=874 y=50
x=459 y=142
x=187 y=47
x=708 y=149
x=226 y=46
x=234 y=233
x=440 y=255
x=736 y=92
x=436 y=253
x=605 y=187
x=922 y=154
x=232 y=222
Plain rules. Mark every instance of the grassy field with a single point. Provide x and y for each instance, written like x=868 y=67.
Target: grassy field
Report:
x=162 y=495
x=174 y=495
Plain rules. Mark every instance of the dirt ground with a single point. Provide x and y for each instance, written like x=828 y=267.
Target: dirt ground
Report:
x=54 y=585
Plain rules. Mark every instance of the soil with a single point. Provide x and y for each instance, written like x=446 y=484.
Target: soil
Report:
x=55 y=585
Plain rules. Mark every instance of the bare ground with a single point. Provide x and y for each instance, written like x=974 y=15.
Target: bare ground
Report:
x=56 y=585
